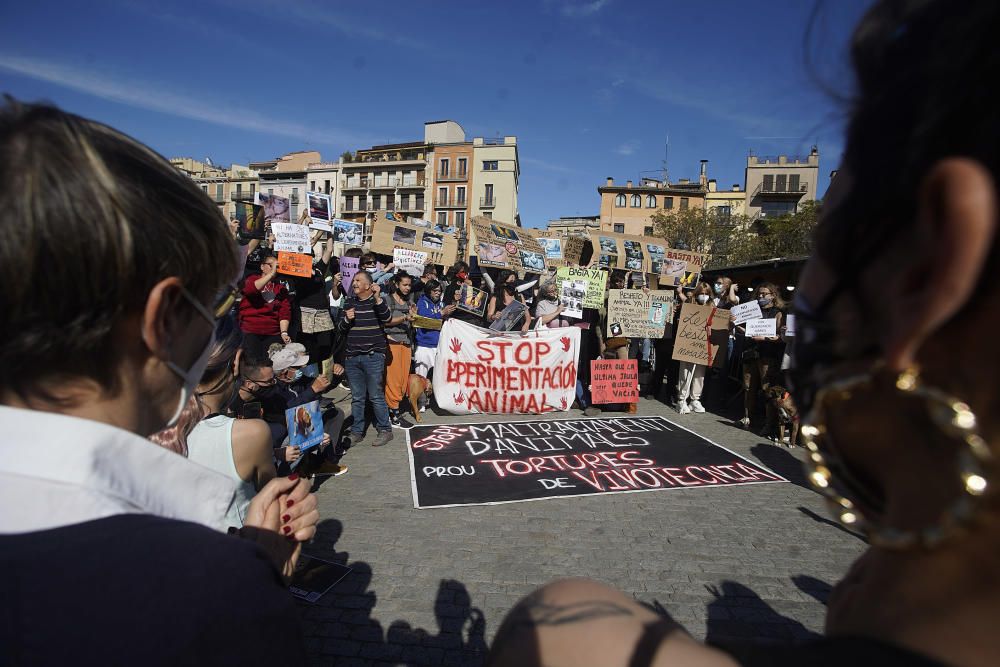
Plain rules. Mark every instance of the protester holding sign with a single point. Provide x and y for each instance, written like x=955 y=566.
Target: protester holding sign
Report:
x=547 y=307
x=691 y=376
x=312 y=303
x=429 y=306
x=503 y=296
x=265 y=310
x=399 y=352
x=761 y=355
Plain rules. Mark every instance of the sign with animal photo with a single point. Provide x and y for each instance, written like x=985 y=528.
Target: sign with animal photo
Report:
x=276 y=208
x=614 y=381
x=514 y=461
x=295 y=264
x=633 y=313
x=657 y=253
x=472 y=300
x=391 y=231
x=681 y=268
x=305 y=425
x=504 y=246
x=251 y=220
x=552 y=246
x=479 y=371
x=320 y=211
x=597 y=283
x=702 y=335
x=571 y=295
x=511 y=317
x=290 y=237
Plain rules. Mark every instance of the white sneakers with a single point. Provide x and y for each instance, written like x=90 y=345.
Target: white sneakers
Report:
x=685 y=408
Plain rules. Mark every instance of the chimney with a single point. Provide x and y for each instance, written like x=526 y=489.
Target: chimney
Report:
x=712 y=185
x=736 y=187
x=628 y=184
x=703 y=176
x=610 y=182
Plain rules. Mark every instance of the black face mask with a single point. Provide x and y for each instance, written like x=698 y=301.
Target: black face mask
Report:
x=263 y=392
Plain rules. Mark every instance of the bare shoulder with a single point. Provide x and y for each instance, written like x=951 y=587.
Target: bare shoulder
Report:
x=582 y=622
x=251 y=432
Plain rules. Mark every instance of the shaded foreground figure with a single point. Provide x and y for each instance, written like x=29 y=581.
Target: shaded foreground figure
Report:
x=900 y=398
x=113 y=550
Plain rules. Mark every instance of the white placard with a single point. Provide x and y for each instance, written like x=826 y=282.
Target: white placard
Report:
x=789 y=326
x=320 y=211
x=573 y=293
x=745 y=312
x=411 y=261
x=289 y=237
x=767 y=327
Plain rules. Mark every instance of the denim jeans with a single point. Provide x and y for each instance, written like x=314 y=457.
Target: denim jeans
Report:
x=365 y=373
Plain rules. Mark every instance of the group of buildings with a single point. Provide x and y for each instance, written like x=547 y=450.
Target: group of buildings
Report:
x=448 y=180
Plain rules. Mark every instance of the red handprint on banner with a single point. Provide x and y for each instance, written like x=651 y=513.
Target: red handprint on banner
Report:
x=459 y=398
x=456 y=345
x=562 y=402
x=565 y=343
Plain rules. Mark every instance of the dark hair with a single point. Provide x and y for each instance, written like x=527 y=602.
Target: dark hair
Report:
x=430 y=270
x=432 y=285
x=354 y=253
x=91 y=220
x=368 y=257
x=251 y=365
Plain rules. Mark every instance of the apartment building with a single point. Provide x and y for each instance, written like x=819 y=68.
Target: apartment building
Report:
x=567 y=226
x=496 y=173
x=778 y=185
x=451 y=173
x=725 y=203
x=322 y=177
x=390 y=177
x=285 y=176
x=222 y=185
x=629 y=208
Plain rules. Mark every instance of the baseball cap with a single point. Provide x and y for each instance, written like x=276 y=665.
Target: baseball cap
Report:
x=292 y=355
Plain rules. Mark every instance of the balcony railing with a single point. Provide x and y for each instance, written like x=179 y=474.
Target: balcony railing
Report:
x=218 y=199
x=451 y=202
x=773 y=189
x=242 y=196
x=354 y=183
x=443 y=176
x=487 y=202
x=382 y=182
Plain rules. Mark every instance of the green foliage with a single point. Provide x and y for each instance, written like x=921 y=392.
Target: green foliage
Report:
x=736 y=239
x=347 y=156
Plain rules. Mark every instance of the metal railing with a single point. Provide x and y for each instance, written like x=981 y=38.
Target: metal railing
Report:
x=487 y=202
x=443 y=176
x=773 y=189
x=446 y=202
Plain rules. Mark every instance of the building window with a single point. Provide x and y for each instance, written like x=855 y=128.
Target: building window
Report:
x=253 y=189
x=768 y=185
x=776 y=209
x=239 y=190
x=651 y=201
x=376 y=202
x=781 y=183
x=488 y=199
x=647 y=231
x=636 y=201
x=443 y=168
x=463 y=166
x=442 y=197
x=488 y=215
x=460 y=195
x=620 y=201
x=204 y=189
x=312 y=186
x=793 y=183
x=390 y=202
x=668 y=202
x=723 y=213
x=685 y=202
x=326 y=187
x=270 y=191
x=218 y=192
x=491 y=165
x=443 y=218
x=460 y=219
x=619 y=228
x=420 y=202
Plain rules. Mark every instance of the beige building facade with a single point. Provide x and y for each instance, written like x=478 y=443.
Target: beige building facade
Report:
x=629 y=208
x=496 y=176
x=725 y=203
x=779 y=185
x=567 y=226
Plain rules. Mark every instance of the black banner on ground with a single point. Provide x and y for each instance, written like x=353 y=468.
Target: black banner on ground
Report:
x=505 y=462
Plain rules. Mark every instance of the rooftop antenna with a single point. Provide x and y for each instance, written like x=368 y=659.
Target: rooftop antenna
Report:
x=666 y=157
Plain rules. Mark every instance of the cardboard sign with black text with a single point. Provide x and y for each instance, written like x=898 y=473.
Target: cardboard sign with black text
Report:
x=597 y=283
x=702 y=335
x=636 y=314
x=504 y=462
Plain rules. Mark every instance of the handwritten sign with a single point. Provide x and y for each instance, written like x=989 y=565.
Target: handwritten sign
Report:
x=478 y=371
x=597 y=283
x=295 y=264
x=410 y=261
x=505 y=462
x=614 y=381
x=681 y=268
x=702 y=335
x=765 y=326
x=635 y=314
x=289 y=237
x=391 y=231
x=348 y=268
x=745 y=311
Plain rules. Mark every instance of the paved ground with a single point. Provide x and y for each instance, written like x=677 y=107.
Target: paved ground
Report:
x=753 y=563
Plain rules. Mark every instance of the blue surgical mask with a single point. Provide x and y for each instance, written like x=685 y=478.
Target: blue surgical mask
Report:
x=717 y=287
x=765 y=302
x=298 y=375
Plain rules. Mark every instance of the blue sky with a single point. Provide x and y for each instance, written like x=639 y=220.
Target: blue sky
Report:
x=591 y=88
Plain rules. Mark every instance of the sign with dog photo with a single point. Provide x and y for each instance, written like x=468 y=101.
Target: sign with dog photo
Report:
x=305 y=425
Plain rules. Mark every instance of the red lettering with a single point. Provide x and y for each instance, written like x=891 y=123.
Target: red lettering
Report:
x=541 y=350
x=538 y=462
x=484 y=347
x=652 y=480
x=631 y=457
x=611 y=458
x=525 y=470
x=675 y=473
x=521 y=358
x=710 y=480
x=593 y=459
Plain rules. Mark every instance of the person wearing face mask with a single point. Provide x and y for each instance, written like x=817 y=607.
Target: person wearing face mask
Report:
x=265 y=310
x=761 y=354
x=691 y=376
x=103 y=347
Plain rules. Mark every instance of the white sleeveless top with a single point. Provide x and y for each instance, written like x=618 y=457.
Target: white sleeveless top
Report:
x=211 y=444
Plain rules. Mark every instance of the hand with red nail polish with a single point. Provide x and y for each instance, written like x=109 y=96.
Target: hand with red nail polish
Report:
x=280 y=518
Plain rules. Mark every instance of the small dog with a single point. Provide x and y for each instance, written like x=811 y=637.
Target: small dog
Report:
x=782 y=412
x=419 y=391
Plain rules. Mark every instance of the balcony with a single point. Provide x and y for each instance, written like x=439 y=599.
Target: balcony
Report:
x=445 y=176
x=487 y=202
x=382 y=182
x=218 y=199
x=412 y=181
x=242 y=196
x=778 y=191
x=349 y=207
x=450 y=202
x=354 y=183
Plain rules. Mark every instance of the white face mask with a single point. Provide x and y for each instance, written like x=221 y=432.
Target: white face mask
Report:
x=191 y=378
x=702 y=299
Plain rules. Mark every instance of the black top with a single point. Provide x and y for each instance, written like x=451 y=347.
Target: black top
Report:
x=136 y=589
x=311 y=291
x=828 y=652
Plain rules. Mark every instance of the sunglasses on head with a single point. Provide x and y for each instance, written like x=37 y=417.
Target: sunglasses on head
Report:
x=223 y=302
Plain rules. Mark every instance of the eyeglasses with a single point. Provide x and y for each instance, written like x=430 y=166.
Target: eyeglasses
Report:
x=267 y=383
x=223 y=302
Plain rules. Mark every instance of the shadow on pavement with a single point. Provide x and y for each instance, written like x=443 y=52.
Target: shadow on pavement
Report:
x=783 y=462
x=830 y=522
x=738 y=615
x=816 y=588
x=341 y=625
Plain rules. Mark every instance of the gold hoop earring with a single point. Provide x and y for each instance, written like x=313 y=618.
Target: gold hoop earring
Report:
x=951 y=416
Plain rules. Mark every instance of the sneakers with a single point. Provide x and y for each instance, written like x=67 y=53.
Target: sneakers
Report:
x=696 y=406
x=394 y=417
x=330 y=468
x=683 y=408
x=384 y=438
x=591 y=411
x=745 y=423
x=402 y=422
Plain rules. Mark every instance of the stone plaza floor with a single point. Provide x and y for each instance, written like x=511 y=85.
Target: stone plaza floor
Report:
x=431 y=586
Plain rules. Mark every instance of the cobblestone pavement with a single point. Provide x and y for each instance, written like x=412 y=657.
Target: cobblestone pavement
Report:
x=749 y=563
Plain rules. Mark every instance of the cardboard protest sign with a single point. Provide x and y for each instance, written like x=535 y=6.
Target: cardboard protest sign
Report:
x=320 y=211
x=552 y=246
x=251 y=219
x=614 y=381
x=635 y=314
x=276 y=209
x=305 y=425
x=472 y=300
x=597 y=283
x=702 y=335
x=348 y=267
x=745 y=311
x=560 y=250
x=571 y=295
x=391 y=231
x=622 y=251
x=675 y=274
x=479 y=371
x=657 y=253
x=295 y=264
x=421 y=322
x=511 y=461
x=505 y=246
x=511 y=317
x=765 y=326
x=410 y=261
x=290 y=237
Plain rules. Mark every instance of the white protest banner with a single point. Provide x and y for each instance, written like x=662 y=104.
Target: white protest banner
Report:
x=411 y=261
x=597 y=283
x=767 y=327
x=790 y=325
x=635 y=314
x=746 y=311
x=290 y=237
x=479 y=371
